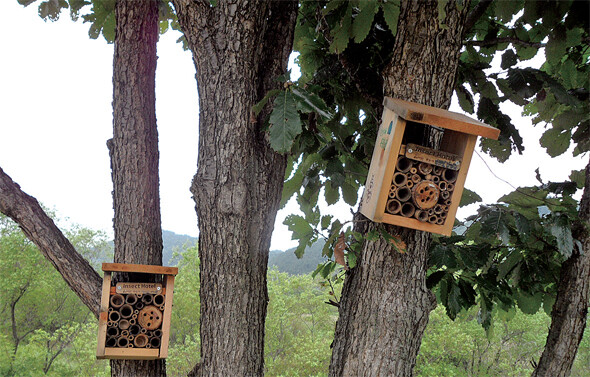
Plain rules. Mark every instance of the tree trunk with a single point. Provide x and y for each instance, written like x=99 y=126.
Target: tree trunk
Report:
x=238 y=49
x=134 y=152
x=385 y=303
x=568 y=317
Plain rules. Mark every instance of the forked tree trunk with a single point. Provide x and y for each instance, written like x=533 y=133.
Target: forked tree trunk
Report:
x=569 y=313
x=385 y=303
x=134 y=152
x=238 y=48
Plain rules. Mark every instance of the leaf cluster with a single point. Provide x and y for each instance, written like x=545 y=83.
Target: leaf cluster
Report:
x=556 y=94
x=100 y=14
x=508 y=254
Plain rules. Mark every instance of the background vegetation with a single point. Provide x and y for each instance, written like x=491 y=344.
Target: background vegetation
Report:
x=45 y=330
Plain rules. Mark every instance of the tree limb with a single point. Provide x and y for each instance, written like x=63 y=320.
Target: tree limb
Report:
x=475 y=14
x=42 y=231
x=497 y=41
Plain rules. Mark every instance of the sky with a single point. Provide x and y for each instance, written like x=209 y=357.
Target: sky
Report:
x=56 y=116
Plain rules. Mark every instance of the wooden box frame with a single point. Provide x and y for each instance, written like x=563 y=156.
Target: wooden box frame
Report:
x=459 y=138
x=103 y=352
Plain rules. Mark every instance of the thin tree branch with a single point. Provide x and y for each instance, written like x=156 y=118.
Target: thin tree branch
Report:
x=55 y=247
x=475 y=14
x=497 y=41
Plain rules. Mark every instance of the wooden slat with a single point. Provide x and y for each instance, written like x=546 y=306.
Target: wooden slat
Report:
x=433 y=116
x=460 y=182
x=167 y=317
x=142 y=268
x=114 y=290
x=103 y=315
x=386 y=147
x=410 y=222
x=130 y=353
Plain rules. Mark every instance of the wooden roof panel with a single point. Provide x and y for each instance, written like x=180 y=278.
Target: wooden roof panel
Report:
x=434 y=116
x=142 y=268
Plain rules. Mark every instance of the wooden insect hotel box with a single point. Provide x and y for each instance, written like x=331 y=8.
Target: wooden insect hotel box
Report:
x=410 y=184
x=134 y=318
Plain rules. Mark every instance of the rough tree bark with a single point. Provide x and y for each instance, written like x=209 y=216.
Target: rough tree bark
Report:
x=569 y=313
x=134 y=152
x=385 y=303
x=238 y=48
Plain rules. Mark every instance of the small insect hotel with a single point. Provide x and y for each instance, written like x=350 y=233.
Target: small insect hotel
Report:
x=134 y=319
x=410 y=184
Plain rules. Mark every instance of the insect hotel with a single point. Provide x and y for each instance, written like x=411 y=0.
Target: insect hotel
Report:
x=410 y=184
x=134 y=318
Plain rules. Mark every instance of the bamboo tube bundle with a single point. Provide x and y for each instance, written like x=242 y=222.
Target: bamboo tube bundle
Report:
x=404 y=194
x=425 y=168
x=112 y=331
x=400 y=179
x=131 y=299
x=126 y=311
x=122 y=341
x=117 y=301
x=114 y=316
x=421 y=215
x=141 y=341
x=420 y=190
x=155 y=342
x=408 y=209
x=393 y=206
x=450 y=175
x=111 y=341
x=403 y=164
x=135 y=320
x=134 y=330
x=147 y=299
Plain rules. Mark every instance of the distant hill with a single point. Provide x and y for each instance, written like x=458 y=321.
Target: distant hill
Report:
x=288 y=262
x=175 y=242
x=285 y=261
x=171 y=241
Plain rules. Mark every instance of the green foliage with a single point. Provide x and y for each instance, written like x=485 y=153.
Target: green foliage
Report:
x=100 y=14
x=284 y=122
x=285 y=118
x=556 y=94
x=461 y=348
x=45 y=319
x=185 y=345
x=299 y=327
x=508 y=255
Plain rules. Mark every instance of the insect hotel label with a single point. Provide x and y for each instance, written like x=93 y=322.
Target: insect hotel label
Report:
x=152 y=288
